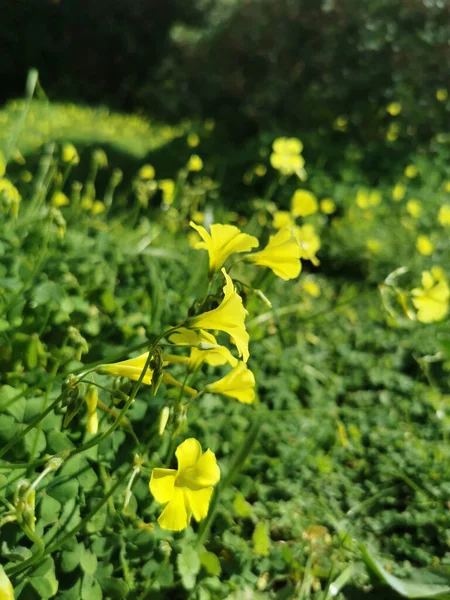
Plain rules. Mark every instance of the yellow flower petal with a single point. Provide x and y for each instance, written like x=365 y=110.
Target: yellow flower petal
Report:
x=162 y=484
x=281 y=219
x=238 y=383
x=303 y=203
x=424 y=245
x=188 y=453
x=207 y=470
x=199 y=501
x=131 y=368
x=223 y=241
x=282 y=255
x=176 y=515
x=444 y=215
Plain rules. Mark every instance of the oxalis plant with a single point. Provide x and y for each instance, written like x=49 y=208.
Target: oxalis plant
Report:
x=213 y=333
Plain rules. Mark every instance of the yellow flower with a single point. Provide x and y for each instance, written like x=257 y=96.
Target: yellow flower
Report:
x=198 y=217
x=431 y=301
x=375 y=198
x=195 y=163
x=146 y=172
x=303 y=203
x=260 y=170
x=223 y=241
x=188 y=489
x=398 y=193
x=69 y=154
x=282 y=255
x=411 y=171
x=193 y=140
x=327 y=206
x=362 y=198
x=204 y=348
x=229 y=317
x=441 y=94
x=167 y=187
x=6 y=588
x=238 y=383
x=392 y=132
x=282 y=218
x=86 y=203
x=444 y=215
x=286 y=156
x=373 y=245
x=131 y=368
x=97 y=207
x=309 y=243
x=424 y=245
x=91 y=400
x=2 y=164
x=60 y=199
x=341 y=122
x=311 y=288
x=394 y=108
x=414 y=208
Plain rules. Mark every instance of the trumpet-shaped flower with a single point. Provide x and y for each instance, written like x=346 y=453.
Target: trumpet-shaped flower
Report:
x=286 y=156
x=204 y=348
x=229 y=317
x=431 y=300
x=309 y=243
x=282 y=255
x=303 y=203
x=239 y=383
x=188 y=489
x=223 y=241
x=131 y=368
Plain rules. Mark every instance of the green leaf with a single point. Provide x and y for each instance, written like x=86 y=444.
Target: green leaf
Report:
x=188 y=563
x=90 y=588
x=16 y=408
x=44 y=580
x=261 y=540
x=49 y=509
x=88 y=561
x=211 y=563
x=64 y=491
x=408 y=588
x=241 y=507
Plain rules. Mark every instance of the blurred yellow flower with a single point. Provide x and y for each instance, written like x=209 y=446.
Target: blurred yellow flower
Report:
x=362 y=198
x=223 y=241
x=392 y=132
x=195 y=163
x=394 y=108
x=309 y=243
x=414 y=208
x=193 y=140
x=447 y=186
x=327 y=206
x=167 y=186
x=229 y=317
x=424 y=245
x=146 y=172
x=282 y=218
x=188 y=489
x=198 y=217
x=341 y=122
x=204 y=348
x=444 y=215
x=441 y=94
x=260 y=170
x=239 y=383
x=69 y=154
x=86 y=203
x=6 y=588
x=91 y=400
x=26 y=176
x=373 y=245
x=411 y=171
x=60 y=199
x=311 y=288
x=375 y=198
x=282 y=255
x=431 y=301
x=100 y=158
x=303 y=203
x=286 y=156
x=98 y=207
x=399 y=191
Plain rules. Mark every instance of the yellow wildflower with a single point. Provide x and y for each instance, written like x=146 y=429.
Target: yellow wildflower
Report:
x=414 y=208
x=286 y=156
x=282 y=218
x=146 y=172
x=204 y=348
x=327 y=206
x=447 y=186
x=6 y=588
x=239 y=383
x=131 y=368
x=444 y=215
x=362 y=198
x=311 y=288
x=188 y=489
x=282 y=255
x=341 y=122
x=69 y=154
x=431 y=301
x=193 y=140
x=392 y=132
x=373 y=245
x=411 y=171
x=399 y=191
x=195 y=163
x=60 y=199
x=91 y=400
x=222 y=242
x=260 y=170
x=375 y=198
x=198 y=217
x=86 y=203
x=167 y=186
x=394 y=108
x=441 y=94
x=309 y=243
x=98 y=207
x=229 y=317
x=424 y=245
x=303 y=203
x=26 y=176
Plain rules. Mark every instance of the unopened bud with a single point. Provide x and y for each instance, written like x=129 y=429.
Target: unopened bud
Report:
x=207 y=346
x=91 y=400
x=6 y=588
x=163 y=419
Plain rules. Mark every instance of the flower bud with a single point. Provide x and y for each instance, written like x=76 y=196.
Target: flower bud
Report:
x=163 y=419
x=6 y=588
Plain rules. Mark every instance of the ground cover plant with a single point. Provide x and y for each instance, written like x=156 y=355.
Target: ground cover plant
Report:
x=205 y=396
